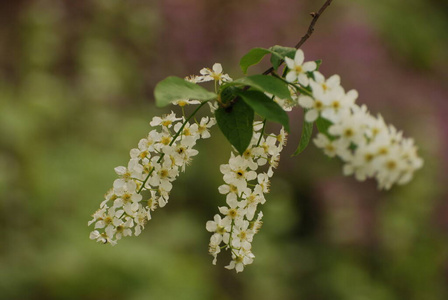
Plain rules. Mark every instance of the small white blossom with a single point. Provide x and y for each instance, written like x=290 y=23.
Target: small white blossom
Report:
x=215 y=74
x=297 y=68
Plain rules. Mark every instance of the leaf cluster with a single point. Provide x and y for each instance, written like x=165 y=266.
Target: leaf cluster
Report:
x=240 y=100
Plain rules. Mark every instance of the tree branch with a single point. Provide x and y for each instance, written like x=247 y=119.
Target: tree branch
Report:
x=309 y=31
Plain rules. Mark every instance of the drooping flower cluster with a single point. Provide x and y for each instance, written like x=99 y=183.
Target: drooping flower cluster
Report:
x=371 y=149
x=368 y=146
x=154 y=165
x=245 y=187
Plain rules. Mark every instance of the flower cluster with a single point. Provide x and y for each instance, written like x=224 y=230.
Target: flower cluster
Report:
x=245 y=187
x=154 y=165
x=368 y=146
x=214 y=74
x=371 y=149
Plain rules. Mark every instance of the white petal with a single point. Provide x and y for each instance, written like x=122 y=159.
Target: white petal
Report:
x=303 y=79
x=306 y=101
x=251 y=175
x=224 y=189
x=290 y=63
x=334 y=80
x=291 y=76
x=299 y=57
x=210 y=226
x=319 y=78
x=217 y=68
x=309 y=66
x=311 y=115
x=120 y=170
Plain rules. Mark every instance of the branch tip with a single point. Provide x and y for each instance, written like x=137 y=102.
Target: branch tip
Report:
x=315 y=16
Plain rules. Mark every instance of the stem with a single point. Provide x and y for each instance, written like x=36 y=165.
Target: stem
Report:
x=171 y=143
x=261 y=133
x=313 y=22
x=302 y=90
x=309 y=32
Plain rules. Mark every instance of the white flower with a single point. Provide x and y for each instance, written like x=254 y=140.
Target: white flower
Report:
x=338 y=104
x=193 y=78
x=240 y=260
x=215 y=74
x=120 y=228
x=230 y=190
x=165 y=121
x=221 y=227
x=102 y=237
x=298 y=69
x=204 y=125
x=163 y=174
x=141 y=152
x=253 y=199
x=350 y=128
x=237 y=173
x=185 y=102
x=141 y=217
x=361 y=162
x=235 y=211
x=282 y=137
x=263 y=182
x=269 y=145
x=242 y=236
x=214 y=247
x=286 y=104
x=182 y=153
x=133 y=171
x=326 y=85
x=332 y=147
x=127 y=195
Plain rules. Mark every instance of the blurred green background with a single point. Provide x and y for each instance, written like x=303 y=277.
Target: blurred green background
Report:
x=76 y=81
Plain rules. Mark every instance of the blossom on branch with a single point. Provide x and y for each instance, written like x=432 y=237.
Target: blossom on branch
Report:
x=245 y=188
x=366 y=144
x=153 y=166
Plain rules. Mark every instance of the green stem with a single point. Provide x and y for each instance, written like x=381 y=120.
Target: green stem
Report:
x=302 y=90
x=171 y=143
x=261 y=133
x=298 y=87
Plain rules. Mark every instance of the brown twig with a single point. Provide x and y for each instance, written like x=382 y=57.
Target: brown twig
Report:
x=300 y=43
x=309 y=31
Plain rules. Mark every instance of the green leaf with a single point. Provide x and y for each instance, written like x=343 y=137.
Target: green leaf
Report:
x=323 y=125
x=307 y=131
x=175 y=88
x=254 y=56
x=282 y=53
x=228 y=93
x=267 y=84
x=236 y=123
x=265 y=107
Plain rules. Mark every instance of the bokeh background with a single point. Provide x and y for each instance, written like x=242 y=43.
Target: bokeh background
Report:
x=76 y=82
